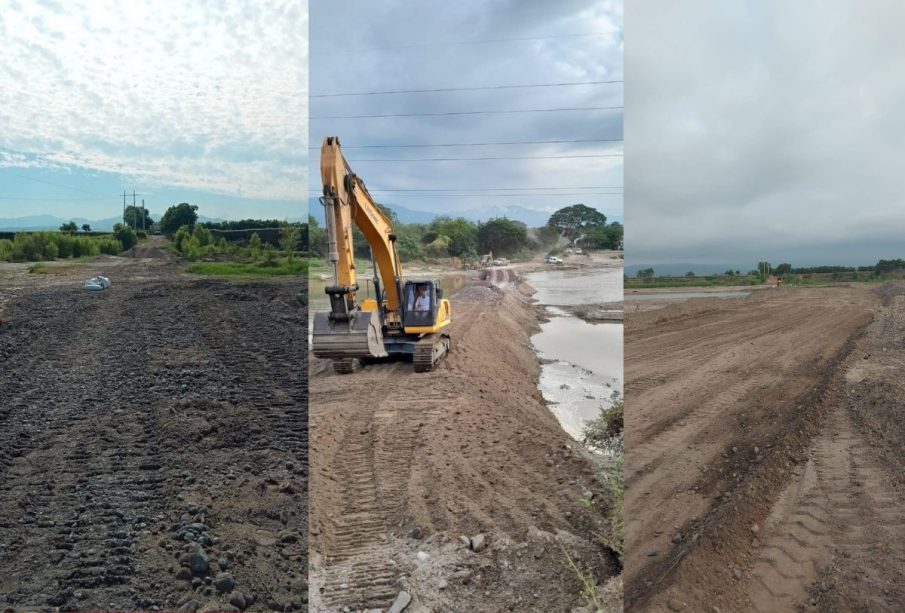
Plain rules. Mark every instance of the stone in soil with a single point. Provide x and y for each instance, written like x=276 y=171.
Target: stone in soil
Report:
x=401 y=602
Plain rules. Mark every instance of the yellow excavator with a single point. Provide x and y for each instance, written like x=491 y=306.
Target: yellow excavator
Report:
x=403 y=317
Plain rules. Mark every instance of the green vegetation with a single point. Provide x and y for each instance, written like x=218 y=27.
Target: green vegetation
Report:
x=466 y=240
x=246 y=253
x=789 y=275
x=125 y=235
x=138 y=218
x=175 y=217
x=44 y=246
x=605 y=433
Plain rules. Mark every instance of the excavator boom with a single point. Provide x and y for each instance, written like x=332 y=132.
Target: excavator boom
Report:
x=404 y=317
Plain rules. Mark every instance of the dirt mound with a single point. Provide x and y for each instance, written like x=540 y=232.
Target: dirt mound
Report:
x=405 y=464
x=154 y=437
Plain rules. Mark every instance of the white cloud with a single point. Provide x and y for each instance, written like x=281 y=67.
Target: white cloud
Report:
x=210 y=97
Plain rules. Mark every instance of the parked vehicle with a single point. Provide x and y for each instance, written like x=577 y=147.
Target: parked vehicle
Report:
x=501 y=262
x=552 y=259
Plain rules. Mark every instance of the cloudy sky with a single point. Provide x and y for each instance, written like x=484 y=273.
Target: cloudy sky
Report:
x=765 y=130
x=359 y=46
x=179 y=100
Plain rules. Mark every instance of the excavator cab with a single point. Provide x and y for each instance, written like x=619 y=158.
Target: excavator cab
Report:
x=422 y=301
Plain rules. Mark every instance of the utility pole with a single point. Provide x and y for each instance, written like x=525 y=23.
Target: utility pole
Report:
x=143 y=214
x=124 y=207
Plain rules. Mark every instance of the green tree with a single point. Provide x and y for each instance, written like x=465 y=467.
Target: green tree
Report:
x=783 y=269
x=203 y=237
x=69 y=227
x=690 y=273
x=317 y=238
x=182 y=214
x=181 y=237
x=138 y=218
x=574 y=221
x=86 y=227
x=763 y=269
x=290 y=235
x=503 y=237
x=729 y=273
x=462 y=234
x=125 y=235
x=645 y=273
x=607 y=236
x=254 y=244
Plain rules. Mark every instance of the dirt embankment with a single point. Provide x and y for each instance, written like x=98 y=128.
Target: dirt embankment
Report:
x=404 y=465
x=153 y=443
x=749 y=486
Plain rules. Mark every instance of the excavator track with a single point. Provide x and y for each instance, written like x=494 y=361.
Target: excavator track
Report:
x=429 y=350
x=346 y=366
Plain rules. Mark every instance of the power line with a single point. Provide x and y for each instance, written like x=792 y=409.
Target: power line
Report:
x=54 y=199
x=15 y=174
x=491 y=189
x=463 y=89
x=546 y=195
x=523 y=142
x=505 y=112
x=464 y=42
x=526 y=157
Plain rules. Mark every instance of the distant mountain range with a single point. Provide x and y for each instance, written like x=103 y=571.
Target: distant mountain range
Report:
x=36 y=223
x=530 y=217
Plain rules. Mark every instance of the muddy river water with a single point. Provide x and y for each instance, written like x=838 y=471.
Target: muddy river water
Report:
x=582 y=362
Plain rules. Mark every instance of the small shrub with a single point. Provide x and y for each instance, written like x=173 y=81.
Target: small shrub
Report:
x=125 y=235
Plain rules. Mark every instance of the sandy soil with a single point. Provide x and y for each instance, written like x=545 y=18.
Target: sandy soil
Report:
x=158 y=425
x=588 y=259
x=407 y=468
x=748 y=484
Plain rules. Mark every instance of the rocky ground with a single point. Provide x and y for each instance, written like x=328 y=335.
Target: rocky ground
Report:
x=457 y=489
x=153 y=441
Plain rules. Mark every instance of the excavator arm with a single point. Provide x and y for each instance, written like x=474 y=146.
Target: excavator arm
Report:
x=347 y=201
x=404 y=317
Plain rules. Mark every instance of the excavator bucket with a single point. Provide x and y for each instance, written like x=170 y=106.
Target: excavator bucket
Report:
x=358 y=337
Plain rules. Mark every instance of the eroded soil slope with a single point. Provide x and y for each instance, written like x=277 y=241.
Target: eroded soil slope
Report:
x=405 y=464
x=153 y=443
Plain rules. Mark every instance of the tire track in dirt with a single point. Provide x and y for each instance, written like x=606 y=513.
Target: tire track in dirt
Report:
x=404 y=460
x=716 y=390
x=374 y=467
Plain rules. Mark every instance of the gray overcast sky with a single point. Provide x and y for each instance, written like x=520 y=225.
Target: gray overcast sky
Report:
x=765 y=129
x=364 y=46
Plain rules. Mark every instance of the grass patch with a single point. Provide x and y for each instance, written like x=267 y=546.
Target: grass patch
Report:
x=605 y=434
x=246 y=269
x=40 y=268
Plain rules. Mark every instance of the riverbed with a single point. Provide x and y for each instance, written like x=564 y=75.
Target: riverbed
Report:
x=581 y=362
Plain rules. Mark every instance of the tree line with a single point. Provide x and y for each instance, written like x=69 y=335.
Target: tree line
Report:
x=462 y=238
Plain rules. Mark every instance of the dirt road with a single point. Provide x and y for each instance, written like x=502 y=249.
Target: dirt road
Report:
x=405 y=464
x=146 y=429
x=749 y=485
